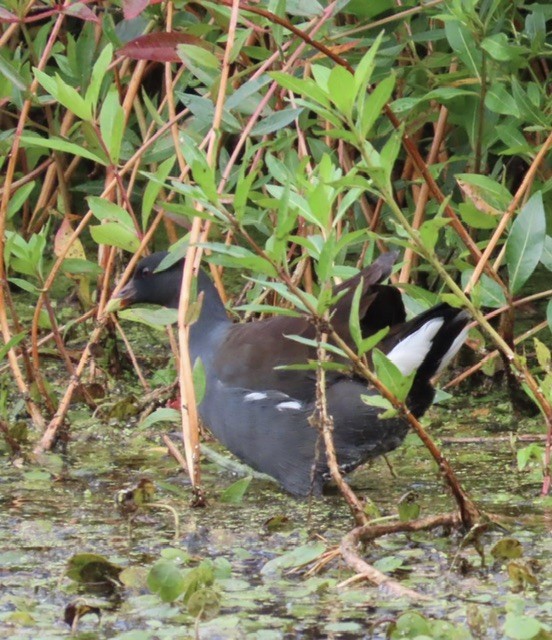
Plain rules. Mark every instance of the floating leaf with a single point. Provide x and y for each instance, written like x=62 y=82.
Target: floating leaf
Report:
x=408 y=507
x=532 y=452
x=295 y=558
x=507 y=549
x=166 y=580
x=388 y=564
x=129 y=500
x=519 y=627
x=235 y=492
x=92 y=567
x=204 y=604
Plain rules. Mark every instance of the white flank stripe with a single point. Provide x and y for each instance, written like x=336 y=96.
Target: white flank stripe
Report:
x=409 y=354
x=255 y=395
x=285 y=406
x=453 y=350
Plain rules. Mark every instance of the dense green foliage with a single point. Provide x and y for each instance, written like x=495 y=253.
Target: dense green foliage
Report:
x=288 y=142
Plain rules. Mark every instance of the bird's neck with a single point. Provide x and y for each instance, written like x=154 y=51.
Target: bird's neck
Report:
x=210 y=328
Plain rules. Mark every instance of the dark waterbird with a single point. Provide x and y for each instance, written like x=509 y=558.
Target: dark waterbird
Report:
x=260 y=412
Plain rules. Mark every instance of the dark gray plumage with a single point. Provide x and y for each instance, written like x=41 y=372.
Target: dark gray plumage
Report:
x=261 y=413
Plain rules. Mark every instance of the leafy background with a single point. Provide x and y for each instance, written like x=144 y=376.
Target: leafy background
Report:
x=290 y=141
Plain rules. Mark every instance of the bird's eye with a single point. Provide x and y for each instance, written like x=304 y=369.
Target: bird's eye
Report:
x=145 y=271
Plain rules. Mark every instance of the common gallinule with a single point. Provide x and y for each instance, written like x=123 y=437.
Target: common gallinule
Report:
x=260 y=413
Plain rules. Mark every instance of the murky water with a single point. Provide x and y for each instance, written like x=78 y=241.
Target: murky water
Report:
x=67 y=506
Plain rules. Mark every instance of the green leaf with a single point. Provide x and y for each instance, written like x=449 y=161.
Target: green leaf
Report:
x=462 y=42
x=112 y=123
x=19 y=198
x=295 y=558
x=80 y=267
x=87 y=568
x=114 y=234
x=499 y=100
x=275 y=121
x=58 y=144
x=342 y=90
x=199 y=65
x=247 y=92
x=543 y=354
x=549 y=314
x=204 y=604
x=108 y=211
x=546 y=257
x=8 y=70
x=12 y=342
x=388 y=564
x=198 y=378
x=166 y=580
x=411 y=625
x=390 y=376
x=366 y=66
x=204 y=176
x=489 y=190
x=269 y=309
x=409 y=507
x=324 y=266
x=532 y=452
x=429 y=231
x=475 y=218
x=302 y=87
x=235 y=492
x=282 y=290
x=526 y=242
x=65 y=94
x=374 y=103
x=496 y=45
x=163 y=414
x=198 y=56
x=24 y=285
x=513 y=138
x=528 y=110
x=354 y=319
x=389 y=155
x=238 y=257
x=507 y=549
x=314 y=344
x=97 y=77
x=486 y=292
x=153 y=187
x=518 y=627
x=156 y=318
x=369 y=343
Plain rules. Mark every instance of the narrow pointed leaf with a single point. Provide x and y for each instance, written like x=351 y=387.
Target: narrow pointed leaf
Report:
x=390 y=376
x=526 y=242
